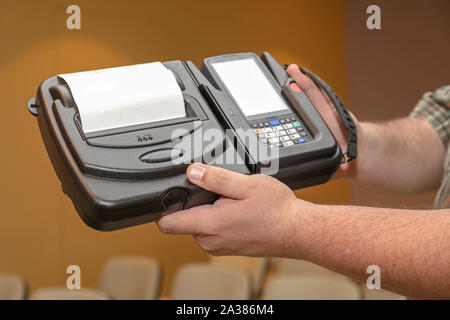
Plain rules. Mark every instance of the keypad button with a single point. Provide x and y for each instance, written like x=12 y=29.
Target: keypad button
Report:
x=255 y=125
x=284 y=138
x=257 y=131
x=288 y=120
x=281 y=133
x=295 y=141
x=261 y=125
x=301 y=140
x=296 y=124
x=287 y=126
x=293 y=119
x=292 y=131
x=274 y=123
x=295 y=136
x=265 y=130
x=303 y=134
x=274 y=140
x=277 y=128
x=271 y=134
x=288 y=143
x=266 y=124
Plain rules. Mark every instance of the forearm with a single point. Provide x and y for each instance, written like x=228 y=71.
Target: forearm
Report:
x=412 y=248
x=404 y=155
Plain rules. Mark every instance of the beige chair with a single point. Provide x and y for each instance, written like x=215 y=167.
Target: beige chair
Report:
x=309 y=287
x=255 y=267
x=12 y=287
x=131 y=278
x=379 y=294
x=204 y=281
x=300 y=267
x=62 y=293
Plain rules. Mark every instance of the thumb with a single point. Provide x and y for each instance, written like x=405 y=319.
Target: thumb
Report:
x=227 y=183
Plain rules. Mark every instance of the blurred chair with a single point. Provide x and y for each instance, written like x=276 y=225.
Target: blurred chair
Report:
x=379 y=294
x=255 y=267
x=12 y=287
x=300 y=267
x=310 y=287
x=131 y=278
x=62 y=293
x=205 y=281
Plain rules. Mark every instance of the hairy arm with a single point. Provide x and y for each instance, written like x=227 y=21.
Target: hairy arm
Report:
x=259 y=216
x=405 y=156
x=411 y=247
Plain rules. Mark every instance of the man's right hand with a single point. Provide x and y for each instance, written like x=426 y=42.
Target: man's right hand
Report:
x=401 y=156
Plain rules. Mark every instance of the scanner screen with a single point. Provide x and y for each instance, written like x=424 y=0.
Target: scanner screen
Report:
x=249 y=86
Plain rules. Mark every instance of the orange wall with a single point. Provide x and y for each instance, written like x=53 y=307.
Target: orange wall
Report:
x=40 y=233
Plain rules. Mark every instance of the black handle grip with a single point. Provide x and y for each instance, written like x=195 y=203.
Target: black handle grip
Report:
x=346 y=118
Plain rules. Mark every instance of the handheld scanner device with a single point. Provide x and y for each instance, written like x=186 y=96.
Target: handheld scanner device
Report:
x=127 y=176
x=263 y=99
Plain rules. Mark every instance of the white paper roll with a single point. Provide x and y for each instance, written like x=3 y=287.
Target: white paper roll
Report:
x=125 y=96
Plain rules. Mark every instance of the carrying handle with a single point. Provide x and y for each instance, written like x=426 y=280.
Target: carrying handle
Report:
x=32 y=107
x=346 y=118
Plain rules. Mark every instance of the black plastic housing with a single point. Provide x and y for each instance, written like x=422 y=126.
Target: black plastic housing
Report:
x=115 y=179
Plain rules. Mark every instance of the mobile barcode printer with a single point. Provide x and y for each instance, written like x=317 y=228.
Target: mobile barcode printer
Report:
x=125 y=176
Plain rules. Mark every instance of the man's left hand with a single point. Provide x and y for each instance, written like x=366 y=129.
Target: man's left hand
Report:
x=255 y=215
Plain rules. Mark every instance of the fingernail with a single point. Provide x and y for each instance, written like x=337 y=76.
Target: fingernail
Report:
x=196 y=172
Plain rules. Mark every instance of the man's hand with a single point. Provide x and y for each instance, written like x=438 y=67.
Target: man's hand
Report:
x=259 y=216
x=255 y=216
x=328 y=112
x=402 y=156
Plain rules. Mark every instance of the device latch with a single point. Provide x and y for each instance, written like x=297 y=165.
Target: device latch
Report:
x=32 y=106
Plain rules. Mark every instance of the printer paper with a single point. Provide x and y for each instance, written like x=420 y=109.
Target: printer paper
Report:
x=125 y=96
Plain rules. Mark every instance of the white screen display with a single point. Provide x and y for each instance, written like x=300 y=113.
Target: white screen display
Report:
x=249 y=86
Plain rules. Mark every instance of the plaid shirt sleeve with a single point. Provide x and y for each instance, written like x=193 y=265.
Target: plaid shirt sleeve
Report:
x=434 y=107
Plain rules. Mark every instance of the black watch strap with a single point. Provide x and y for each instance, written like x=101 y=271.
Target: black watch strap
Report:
x=346 y=118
